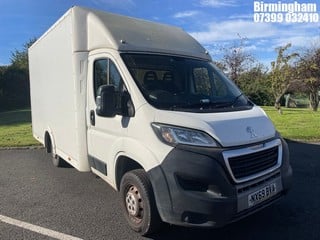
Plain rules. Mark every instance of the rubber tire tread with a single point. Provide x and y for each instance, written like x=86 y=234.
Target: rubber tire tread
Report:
x=56 y=160
x=140 y=179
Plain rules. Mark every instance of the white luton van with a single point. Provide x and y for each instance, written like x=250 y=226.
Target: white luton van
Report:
x=141 y=105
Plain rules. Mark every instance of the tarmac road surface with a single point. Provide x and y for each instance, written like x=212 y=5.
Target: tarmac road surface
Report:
x=39 y=201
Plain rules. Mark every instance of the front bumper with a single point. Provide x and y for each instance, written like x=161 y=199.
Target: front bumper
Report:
x=193 y=187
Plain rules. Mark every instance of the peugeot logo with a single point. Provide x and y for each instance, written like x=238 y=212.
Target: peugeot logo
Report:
x=252 y=133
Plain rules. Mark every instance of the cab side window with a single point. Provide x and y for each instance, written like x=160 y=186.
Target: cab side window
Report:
x=106 y=73
x=114 y=76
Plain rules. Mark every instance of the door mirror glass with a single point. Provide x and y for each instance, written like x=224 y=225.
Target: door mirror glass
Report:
x=106 y=101
x=111 y=102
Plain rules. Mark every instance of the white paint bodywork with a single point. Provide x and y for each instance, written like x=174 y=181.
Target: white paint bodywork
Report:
x=61 y=67
x=228 y=128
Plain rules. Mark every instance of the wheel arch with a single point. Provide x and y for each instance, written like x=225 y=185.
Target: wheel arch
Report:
x=124 y=164
x=49 y=142
x=133 y=156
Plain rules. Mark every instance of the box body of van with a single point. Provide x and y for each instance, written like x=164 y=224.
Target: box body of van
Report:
x=141 y=105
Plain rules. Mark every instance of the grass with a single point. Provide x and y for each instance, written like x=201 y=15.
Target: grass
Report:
x=15 y=129
x=296 y=123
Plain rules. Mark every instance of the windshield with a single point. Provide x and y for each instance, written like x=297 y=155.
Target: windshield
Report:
x=184 y=84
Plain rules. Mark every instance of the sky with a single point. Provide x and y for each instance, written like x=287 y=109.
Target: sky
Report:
x=216 y=24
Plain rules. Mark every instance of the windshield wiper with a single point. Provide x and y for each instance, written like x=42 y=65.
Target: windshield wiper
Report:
x=236 y=99
x=202 y=104
x=206 y=104
x=191 y=105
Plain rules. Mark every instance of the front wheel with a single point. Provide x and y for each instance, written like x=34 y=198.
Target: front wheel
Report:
x=138 y=202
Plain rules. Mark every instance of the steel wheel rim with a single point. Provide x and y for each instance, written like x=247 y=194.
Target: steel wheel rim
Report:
x=134 y=203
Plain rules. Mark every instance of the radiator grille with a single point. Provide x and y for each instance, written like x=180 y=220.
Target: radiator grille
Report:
x=251 y=164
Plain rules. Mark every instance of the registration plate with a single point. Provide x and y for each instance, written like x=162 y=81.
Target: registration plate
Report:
x=262 y=194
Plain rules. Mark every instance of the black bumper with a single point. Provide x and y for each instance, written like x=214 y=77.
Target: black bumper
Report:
x=193 y=187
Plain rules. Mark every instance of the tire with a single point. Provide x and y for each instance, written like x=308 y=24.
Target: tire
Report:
x=56 y=160
x=138 y=202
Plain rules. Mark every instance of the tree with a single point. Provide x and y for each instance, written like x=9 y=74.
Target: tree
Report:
x=14 y=80
x=3 y=69
x=19 y=59
x=236 y=60
x=282 y=74
x=254 y=83
x=16 y=88
x=309 y=73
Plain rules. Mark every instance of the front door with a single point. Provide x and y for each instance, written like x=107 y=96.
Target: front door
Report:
x=104 y=134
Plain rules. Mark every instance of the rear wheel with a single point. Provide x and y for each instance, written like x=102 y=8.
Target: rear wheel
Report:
x=138 y=202
x=56 y=160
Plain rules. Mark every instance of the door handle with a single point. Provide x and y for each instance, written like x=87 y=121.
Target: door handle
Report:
x=92 y=118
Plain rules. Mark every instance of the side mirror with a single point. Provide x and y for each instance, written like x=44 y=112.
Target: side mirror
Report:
x=106 y=101
x=110 y=102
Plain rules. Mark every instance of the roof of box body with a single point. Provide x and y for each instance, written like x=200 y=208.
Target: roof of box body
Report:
x=96 y=29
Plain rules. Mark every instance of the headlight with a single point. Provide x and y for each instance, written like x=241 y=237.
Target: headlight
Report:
x=176 y=135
